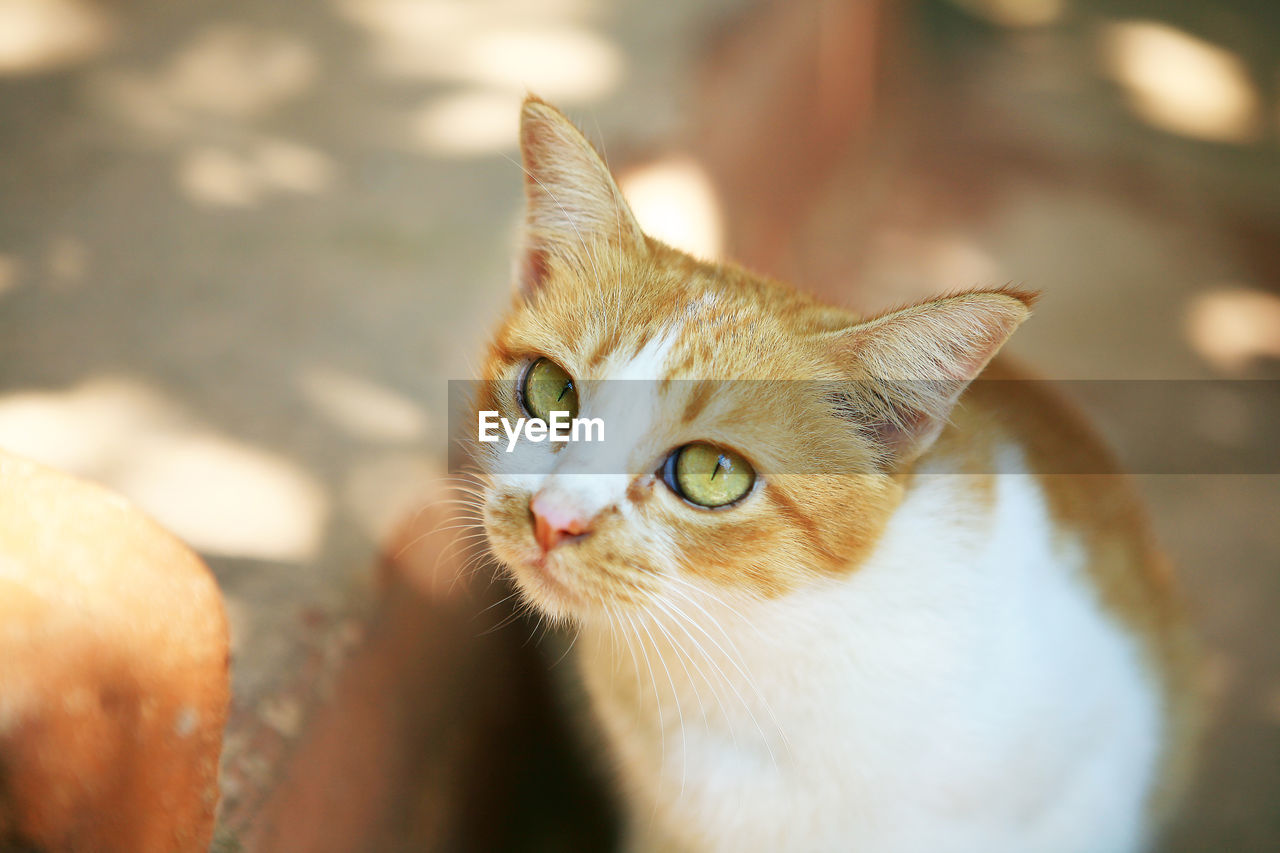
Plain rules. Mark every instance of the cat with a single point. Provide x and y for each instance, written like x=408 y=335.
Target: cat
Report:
x=815 y=621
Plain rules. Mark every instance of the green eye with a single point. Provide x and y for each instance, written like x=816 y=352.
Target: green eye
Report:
x=548 y=388
x=708 y=475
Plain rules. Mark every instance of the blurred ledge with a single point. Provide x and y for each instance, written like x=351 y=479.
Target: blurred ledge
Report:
x=437 y=730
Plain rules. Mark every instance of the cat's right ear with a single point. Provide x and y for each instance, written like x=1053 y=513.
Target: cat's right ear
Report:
x=573 y=204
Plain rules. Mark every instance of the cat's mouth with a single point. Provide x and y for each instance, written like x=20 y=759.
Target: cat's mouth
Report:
x=574 y=579
x=549 y=572
x=545 y=578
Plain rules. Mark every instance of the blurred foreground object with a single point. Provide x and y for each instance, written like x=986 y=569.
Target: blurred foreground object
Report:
x=113 y=673
x=440 y=731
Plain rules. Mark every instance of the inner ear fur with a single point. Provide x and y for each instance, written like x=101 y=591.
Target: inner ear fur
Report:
x=908 y=367
x=572 y=203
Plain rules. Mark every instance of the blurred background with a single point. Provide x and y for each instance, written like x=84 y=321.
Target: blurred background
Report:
x=244 y=245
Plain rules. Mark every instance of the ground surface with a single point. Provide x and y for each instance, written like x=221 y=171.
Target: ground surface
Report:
x=243 y=246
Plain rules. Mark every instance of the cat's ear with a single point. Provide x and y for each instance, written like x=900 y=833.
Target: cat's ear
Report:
x=572 y=202
x=910 y=366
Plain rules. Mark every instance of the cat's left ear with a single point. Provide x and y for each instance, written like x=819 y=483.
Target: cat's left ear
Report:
x=572 y=202
x=910 y=366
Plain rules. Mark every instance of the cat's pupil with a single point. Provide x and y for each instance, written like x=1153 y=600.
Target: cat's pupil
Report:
x=548 y=387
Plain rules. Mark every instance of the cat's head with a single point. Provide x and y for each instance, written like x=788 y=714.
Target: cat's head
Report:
x=729 y=463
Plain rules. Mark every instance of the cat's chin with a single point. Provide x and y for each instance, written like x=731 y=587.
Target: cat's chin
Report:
x=558 y=584
x=542 y=581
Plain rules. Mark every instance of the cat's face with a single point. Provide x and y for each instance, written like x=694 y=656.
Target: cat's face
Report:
x=635 y=344
x=725 y=464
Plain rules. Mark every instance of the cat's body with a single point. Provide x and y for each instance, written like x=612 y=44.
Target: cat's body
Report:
x=968 y=688
x=893 y=631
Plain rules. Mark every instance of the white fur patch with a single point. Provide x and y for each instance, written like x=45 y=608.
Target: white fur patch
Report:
x=596 y=475
x=962 y=691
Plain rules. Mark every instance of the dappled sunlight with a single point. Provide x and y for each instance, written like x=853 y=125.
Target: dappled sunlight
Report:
x=1016 y=13
x=381 y=490
x=226 y=498
x=44 y=35
x=1180 y=83
x=425 y=19
x=205 y=101
x=408 y=34
x=564 y=64
x=217 y=177
x=224 y=74
x=137 y=101
x=505 y=45
x=469 y=123
x=235 y=71
x=68 y=262
x=292 y=167
x=362 y=408
x=79 y=430
x=675 y=201
x=221 y=177
x=1232 y=327
x=10 y=268
x=491 y=53
x=222 y=496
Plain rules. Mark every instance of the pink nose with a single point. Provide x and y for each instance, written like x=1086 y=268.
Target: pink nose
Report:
x=554 y=521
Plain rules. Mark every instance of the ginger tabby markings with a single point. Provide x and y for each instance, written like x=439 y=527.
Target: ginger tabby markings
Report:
x=930 y=646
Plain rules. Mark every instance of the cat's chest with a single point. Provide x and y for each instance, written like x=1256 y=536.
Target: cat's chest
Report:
x=965 y=665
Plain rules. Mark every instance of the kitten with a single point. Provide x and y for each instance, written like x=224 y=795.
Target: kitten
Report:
x=812 y=619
